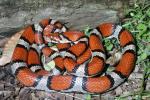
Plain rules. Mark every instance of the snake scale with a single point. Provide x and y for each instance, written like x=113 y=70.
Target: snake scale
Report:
x=80 y=55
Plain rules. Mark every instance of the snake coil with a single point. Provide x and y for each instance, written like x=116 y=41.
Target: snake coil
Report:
x=81 y=56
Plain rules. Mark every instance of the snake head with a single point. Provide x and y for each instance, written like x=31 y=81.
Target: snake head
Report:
x=51 y=34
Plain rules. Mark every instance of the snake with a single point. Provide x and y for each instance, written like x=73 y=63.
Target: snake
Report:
x=82 y=57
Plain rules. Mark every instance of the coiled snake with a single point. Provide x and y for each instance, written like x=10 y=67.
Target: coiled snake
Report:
x=81 y=56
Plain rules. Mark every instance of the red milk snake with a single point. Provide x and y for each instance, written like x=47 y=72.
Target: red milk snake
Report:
x=84 y=56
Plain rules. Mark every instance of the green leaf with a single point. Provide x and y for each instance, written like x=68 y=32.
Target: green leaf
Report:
x=87 y=30
x=49 y=65
x=51 y=44
x=148 y=48
x=132 y=14
x=142 y=27
x=148 y=37
x=109 y=47
x=107 y=41
x=136 y=5
x=110 y=69
x=148 y=24
x=138 y=15
x=143 y=56
x=88 y=97
x=137 y=97
x=148 y=12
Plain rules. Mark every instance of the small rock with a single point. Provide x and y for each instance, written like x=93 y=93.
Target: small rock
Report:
x=24 y=94
x=17 y=90
x=69 y=96
x=7 y=93
x=136 y=76
x=107 y=97
x=40 y=94
x=9 y=87
x=1 y=96
x=129 y=98
x=136 y=68
x=34 y=97
x=2 y=74
x=1 y=87
x=118 y=91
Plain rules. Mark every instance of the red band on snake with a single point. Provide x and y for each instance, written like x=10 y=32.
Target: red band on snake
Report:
x=81 y=56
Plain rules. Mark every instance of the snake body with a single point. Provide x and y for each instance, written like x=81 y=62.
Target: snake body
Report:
x=82 y=56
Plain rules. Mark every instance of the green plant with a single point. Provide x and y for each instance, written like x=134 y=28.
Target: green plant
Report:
x=138 y=22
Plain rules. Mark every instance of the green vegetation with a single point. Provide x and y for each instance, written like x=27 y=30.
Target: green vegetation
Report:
x=138 y=22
